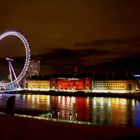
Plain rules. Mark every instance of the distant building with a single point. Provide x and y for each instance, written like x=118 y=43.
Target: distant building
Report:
x=84 y=85
x=116 y=86
x=71 y=84
x=38 y=84
x=34 y=68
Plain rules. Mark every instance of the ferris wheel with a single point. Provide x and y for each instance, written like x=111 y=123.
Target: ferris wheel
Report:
x=17 y=79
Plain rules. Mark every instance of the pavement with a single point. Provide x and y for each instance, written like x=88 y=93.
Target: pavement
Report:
x=18 y=128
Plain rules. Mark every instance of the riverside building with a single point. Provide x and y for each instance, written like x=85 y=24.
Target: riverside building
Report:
x=84 y=85
x=38 y=85
x=114 y=86
x=71 y=84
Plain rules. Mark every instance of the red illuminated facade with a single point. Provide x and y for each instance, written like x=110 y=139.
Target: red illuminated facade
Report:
x=71 y=84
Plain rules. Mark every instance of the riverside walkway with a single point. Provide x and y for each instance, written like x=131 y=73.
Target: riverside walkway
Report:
x=15 y=128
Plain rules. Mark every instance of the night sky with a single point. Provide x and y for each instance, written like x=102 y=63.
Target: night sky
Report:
x=94 y=35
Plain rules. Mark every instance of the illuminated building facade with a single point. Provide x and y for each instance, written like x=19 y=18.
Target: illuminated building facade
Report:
x=84 y=84
x=71 y=84
x=38 y=84
x=120 y=86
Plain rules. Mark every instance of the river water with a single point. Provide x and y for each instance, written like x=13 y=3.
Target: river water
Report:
x=94 y=110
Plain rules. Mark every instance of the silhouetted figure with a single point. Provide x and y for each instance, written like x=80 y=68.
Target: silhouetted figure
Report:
x=10 y=105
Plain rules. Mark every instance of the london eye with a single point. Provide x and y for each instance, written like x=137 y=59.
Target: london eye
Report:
x=17 y=79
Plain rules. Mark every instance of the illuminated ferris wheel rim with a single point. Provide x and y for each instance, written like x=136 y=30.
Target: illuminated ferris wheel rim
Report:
x=27 y=51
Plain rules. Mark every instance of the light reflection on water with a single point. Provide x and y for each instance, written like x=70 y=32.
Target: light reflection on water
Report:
x=97 y=110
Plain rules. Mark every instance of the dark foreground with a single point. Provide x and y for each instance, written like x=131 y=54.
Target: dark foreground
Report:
x=16 y=128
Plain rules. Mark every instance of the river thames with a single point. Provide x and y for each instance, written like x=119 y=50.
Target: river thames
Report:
x=93 y=110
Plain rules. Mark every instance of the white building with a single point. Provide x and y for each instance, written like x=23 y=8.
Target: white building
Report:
x=34 y=68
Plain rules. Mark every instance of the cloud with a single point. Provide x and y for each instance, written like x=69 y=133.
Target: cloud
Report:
x=62 y=34
x=114 y=48
x=105 y=42
x=60 y=24
x=68 y=56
